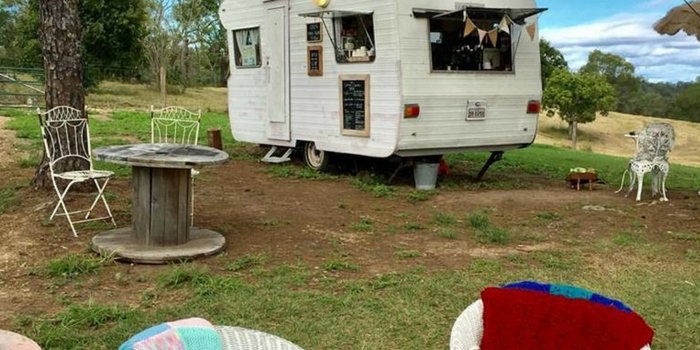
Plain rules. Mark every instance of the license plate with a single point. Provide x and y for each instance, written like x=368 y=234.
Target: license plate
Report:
x=476 y=113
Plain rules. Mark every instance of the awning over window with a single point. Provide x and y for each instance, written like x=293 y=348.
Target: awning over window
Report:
x=333 y=14
x=517 y=15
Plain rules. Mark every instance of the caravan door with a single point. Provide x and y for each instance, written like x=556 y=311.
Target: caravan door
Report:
x=276 y=34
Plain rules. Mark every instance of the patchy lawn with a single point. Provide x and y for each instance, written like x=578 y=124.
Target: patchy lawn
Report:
x=333 y=261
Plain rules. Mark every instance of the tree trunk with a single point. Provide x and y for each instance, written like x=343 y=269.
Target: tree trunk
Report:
x=574 y=131
x=63 y=69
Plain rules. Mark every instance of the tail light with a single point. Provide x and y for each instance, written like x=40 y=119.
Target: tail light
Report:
x=533 y=107
x=411 y=111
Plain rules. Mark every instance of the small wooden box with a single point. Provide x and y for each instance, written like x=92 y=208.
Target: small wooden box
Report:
x=576 y=179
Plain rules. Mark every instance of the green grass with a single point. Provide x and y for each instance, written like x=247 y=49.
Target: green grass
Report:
x=364 y=225
x=179 y=276
x=246 y=262
x=8 y=198
x=448 y=233
x=297 y=172
x=485 y=231
x=405 y=254
x=407 y=310
x=74 y=265
x=555 y=163
x=442 y=219
x=121 y=127
x=549 y=216
x=416 y=196
x=479 y=221
x=337 y=265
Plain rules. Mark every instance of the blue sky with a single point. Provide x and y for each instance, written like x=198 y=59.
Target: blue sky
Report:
x=622 y=27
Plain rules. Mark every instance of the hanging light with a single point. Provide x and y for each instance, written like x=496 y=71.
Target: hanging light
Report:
x=322 y=3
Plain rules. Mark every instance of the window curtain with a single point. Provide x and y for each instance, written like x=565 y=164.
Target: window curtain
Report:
x=247 y=42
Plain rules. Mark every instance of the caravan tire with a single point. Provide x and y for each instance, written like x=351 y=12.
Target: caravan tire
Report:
x=316 y=159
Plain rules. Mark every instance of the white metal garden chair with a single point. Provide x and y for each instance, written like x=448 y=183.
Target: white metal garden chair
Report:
x=66 y=137
x=180 y=126
x=468 y=329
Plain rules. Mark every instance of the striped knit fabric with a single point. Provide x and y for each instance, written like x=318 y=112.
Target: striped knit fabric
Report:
x=569 y=292
x=188 y=334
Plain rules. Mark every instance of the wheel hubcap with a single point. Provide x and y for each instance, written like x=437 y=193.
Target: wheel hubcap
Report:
x=315 y=156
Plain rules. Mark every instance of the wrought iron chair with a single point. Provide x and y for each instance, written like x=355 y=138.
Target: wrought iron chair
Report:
x=177 y=125
x=653 y=146
x=66 y=137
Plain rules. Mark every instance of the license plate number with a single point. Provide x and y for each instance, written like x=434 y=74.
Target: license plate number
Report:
x=476 y=113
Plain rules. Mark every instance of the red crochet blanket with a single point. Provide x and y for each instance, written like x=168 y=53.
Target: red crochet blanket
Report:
x=523 y=320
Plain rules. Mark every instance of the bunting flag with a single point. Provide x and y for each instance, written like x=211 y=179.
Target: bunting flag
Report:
x=504 y=26
x=493 y=36
x=532 y=30
x=482 y=35
x=469 y=27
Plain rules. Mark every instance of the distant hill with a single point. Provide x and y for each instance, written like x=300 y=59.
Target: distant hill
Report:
x=606 y=136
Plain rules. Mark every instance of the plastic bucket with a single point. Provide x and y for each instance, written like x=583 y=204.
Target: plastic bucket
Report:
x=425 y=175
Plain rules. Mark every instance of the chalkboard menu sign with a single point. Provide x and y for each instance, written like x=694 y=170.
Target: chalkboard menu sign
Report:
x=354 y=103
x=314 y=33
x=315 y=61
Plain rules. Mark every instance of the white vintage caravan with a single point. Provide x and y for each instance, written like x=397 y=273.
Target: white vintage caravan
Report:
x=383 y=77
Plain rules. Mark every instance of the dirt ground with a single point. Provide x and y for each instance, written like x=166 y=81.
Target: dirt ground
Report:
x=308 y=221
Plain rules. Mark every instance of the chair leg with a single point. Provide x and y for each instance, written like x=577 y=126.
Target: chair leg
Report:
x=192 y=203
x=640 y=181
x=663 y=187
x=100 y=195
x=62 y=204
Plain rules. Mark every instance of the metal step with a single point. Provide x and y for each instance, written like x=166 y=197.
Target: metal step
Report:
x=270 y=157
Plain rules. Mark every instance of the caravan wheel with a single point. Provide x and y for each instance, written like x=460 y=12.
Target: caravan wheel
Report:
x=315 y=159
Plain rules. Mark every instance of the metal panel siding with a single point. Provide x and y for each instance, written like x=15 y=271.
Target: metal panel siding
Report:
x=443 y=96
x=247 y=90
x=315 y=105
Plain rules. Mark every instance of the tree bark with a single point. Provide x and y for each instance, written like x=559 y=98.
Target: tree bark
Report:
x=60 y=34
x=574 y=131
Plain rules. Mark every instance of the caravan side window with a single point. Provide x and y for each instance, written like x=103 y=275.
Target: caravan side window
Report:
x=354 y=37
x=246 y=44
x=452 y=51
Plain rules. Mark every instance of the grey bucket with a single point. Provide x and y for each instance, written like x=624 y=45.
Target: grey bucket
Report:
x=425 y=175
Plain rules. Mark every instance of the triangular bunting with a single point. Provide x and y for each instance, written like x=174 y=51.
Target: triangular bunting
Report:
x=482 y=35
x=469 y=27
x=504 y=26
x=493 y=36
x=532 y=30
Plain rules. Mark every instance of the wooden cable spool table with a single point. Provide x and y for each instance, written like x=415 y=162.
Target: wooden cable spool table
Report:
x=161 y=204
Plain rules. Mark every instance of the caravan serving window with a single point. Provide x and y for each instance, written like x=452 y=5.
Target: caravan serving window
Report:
x=354 y=38
x=246 y=44
x=484 y=48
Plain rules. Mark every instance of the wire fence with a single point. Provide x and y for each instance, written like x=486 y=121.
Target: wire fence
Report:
x=22 y=86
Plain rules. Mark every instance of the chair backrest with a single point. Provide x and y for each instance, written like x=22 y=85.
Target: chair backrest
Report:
x=175 y=125
x=66 y=135
x=655 y=141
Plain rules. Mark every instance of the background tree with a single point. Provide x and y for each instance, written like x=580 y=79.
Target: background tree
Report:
x=203 y=40
x=617 y=72
x=551 y=59
x=63 y=68
x=111 y=35
x=160 y=42
x=577 y=98
x=687 y=103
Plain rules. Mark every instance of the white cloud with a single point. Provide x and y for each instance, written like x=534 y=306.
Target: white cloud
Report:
x=656 y=57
